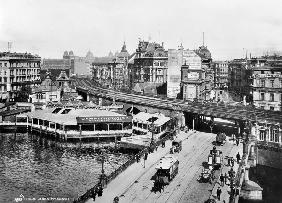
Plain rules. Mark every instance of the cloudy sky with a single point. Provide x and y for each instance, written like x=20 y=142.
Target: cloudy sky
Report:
x=48 y=27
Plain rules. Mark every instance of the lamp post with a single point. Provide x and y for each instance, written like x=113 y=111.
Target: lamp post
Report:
x=152 y=129
x=101 y=159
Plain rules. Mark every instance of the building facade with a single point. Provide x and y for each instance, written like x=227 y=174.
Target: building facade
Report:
x=18 y=73
x=192 y=77
x=266 y=87
x=54 y=67
x=112 y=71
x=150 y=64
x=239 y=78
x=221 y=78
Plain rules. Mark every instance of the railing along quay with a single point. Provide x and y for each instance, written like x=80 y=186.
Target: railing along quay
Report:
x=118 y=171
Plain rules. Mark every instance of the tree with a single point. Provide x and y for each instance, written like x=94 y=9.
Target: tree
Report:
x=24 y=93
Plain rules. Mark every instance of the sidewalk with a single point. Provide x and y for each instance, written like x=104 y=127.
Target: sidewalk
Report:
x=133 y=173
x=226 y=188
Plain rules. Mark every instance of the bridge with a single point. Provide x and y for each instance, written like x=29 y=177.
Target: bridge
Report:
x=260 y=129
x=238 y=113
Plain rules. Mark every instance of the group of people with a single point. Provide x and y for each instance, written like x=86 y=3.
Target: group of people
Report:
x=236 y=139
x=231 y=177
x=97 y=191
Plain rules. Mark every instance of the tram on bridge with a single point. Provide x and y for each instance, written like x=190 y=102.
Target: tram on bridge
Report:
x=167 y=169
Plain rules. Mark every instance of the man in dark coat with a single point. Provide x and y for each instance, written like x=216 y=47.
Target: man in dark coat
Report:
x=238 y=157
x=221 y=180
x=218 y=193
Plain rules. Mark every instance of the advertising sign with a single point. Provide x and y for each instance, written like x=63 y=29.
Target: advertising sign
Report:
x=104 y=119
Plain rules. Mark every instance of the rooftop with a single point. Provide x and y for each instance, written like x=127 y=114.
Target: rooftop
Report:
x=15 y=55
x=157 y=118
x=68 y=116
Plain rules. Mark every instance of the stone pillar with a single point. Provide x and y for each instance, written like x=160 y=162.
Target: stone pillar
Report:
x=193 y=123
x=100 y=101
x=252 y=156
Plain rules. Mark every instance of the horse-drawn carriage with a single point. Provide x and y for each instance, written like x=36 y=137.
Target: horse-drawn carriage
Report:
x=221 y=138
x=176 y=146
x=215 y=158
x=207 y=175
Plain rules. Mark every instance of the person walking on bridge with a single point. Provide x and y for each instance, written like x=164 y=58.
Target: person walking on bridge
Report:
x=218 y=193
x=238 y=157
x=221 y=180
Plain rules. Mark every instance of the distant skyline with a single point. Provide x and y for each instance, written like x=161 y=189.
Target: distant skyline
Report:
x=49 y=27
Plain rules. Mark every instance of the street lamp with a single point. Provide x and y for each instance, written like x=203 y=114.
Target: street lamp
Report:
x=101 y=159
x=152 y=130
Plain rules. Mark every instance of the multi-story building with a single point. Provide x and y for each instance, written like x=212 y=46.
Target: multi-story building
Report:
x=119 y=69
x=101 y=72
x=112 y=71
x=150 y=65
x=18 y=73
x=54 y=67
x=266 y=87
x=192 y=77
x=221 y=79
x=239 y=78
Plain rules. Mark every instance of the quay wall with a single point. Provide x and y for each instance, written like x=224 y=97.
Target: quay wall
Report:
x=269 y=156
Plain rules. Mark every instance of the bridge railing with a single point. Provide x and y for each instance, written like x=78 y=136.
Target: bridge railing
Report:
x=116 y=172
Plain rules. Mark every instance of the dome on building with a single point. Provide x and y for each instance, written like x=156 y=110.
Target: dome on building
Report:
x=123 y=49
x=111 y=54
x=71 y=53
x=66 y=53
x=89 y=54
x=204 y=52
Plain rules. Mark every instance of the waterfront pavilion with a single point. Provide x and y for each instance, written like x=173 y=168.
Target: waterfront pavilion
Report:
x=80 y=123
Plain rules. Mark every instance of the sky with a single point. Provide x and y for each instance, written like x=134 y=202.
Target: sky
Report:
x=231 y=27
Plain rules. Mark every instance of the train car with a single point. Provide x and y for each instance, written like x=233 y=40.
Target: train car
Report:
x=167 y=169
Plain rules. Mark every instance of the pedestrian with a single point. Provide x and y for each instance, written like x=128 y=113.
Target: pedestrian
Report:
x=238 y=157
x=237 y=191
x=218 y=193
x=93 y=195
x=232 y=162
x=146 y=156
x=161 y=185
x=237 y=141
x=231 y=173
x=163 y=144
x=116 y=199
x=225 y=178
x=221 y=180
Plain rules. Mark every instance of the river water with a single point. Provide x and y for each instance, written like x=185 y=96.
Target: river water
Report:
x=33 y=167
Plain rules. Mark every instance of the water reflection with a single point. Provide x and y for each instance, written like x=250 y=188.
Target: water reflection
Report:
x=39 y=167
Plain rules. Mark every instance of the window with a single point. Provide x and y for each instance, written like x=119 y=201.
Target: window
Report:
x=262 y=72
x=262 y=135
x=272 y=83
x=262 y=83
x=272 y=108
x=271 y=97
x=281 y=83
x=262 y=96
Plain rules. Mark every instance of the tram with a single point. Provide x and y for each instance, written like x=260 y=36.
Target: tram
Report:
x=167 y=169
